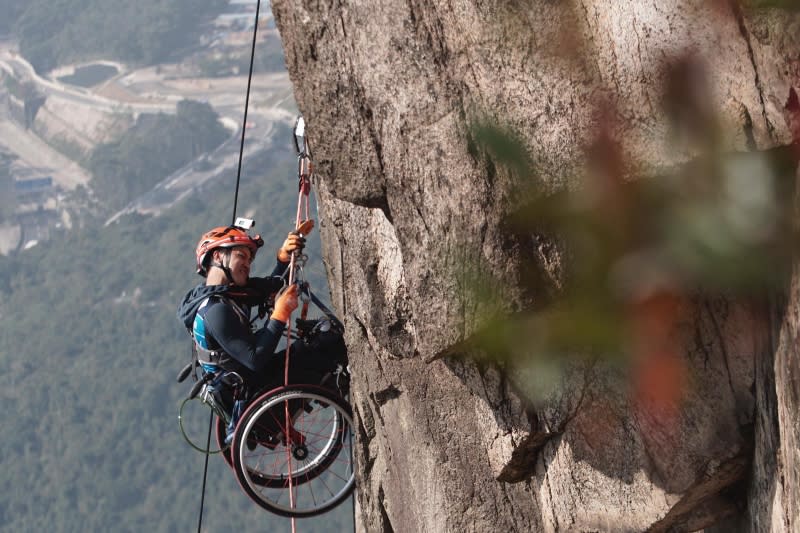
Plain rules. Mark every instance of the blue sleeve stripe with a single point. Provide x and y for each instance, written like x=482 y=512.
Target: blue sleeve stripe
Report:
x=199 y=332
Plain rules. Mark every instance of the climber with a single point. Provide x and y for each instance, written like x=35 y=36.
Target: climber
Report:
x=217 y=313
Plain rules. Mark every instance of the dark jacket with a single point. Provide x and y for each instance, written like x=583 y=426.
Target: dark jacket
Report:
x=223 y=321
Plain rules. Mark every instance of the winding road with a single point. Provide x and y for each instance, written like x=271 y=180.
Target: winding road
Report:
x=151 y=90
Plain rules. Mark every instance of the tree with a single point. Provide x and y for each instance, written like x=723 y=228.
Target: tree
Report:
x=155 y=147
x=59 y=31
x=7 y=195
x=572 y=376
x=11 y=10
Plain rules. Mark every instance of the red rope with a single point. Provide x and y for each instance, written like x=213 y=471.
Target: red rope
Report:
x=302 y=198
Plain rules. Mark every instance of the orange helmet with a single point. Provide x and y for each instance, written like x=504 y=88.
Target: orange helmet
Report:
x=223 y=237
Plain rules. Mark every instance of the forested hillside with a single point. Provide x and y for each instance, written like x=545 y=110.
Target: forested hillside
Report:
x=11 y=10
x=144 y=32
x=89 y=341
x=155 y=147
x=90 y=347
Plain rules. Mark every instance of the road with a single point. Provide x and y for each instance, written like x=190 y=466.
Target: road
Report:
x=34 y=153
x=219 y=164
x=12 y=62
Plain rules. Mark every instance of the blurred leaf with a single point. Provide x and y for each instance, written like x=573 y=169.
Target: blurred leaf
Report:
x=504 y=146
x=637 y=248
x=791 y=5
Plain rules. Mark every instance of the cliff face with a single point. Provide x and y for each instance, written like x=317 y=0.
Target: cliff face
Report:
x=391 y=92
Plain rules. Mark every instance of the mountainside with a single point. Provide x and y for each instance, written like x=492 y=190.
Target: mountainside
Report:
x=90 y=347
x=569 y=305
x=89 y=341
x=54 y=33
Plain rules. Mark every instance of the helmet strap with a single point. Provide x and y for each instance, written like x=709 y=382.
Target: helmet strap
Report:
x=225 y=268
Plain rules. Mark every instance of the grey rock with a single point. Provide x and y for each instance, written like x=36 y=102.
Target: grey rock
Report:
x=450 y=440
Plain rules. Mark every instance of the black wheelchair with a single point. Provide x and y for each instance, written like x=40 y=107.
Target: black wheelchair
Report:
x=292 y=448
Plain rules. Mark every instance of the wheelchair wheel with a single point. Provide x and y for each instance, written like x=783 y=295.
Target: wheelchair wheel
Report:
x=305 y=468
x=300 y=475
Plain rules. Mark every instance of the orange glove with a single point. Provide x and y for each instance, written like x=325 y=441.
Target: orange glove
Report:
x=295 y=241
x=285 y=304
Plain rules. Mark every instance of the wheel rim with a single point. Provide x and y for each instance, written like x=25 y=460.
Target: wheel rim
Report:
x=319 y=468
x=299 y=452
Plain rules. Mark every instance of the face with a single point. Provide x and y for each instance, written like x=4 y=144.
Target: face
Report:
x=239 y=263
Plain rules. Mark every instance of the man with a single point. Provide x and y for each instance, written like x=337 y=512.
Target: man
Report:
x=218 y=311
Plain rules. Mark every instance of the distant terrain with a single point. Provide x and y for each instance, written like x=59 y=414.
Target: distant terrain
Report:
x=144 y=32
x=88 y=334
x=97 y=134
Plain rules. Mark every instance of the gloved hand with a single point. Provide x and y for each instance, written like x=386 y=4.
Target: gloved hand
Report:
x=293 y=243
x=285 y=304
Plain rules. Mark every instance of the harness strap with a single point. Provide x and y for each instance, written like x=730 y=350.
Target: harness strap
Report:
x=205 y=356
x=322 y=307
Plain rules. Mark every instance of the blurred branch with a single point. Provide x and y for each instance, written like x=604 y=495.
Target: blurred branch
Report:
x=638 y=249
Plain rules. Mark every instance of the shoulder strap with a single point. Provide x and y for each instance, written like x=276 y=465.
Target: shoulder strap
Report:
x=236 y=309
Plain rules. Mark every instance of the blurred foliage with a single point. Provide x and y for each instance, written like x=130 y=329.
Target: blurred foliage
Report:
x=793 y=5
x=637 y=248
x=90 y=347
x=503 y=145
x=154 y=148
x=11 y=10
x=145 y=32
x=7 y=204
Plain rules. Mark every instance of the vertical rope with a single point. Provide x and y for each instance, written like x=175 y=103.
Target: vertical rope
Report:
x=205 y=472
x=246 y=106
x=287 y=418
x=301 y=199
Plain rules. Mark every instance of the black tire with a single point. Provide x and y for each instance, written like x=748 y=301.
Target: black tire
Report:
x=315 y=459
x=221 y=430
